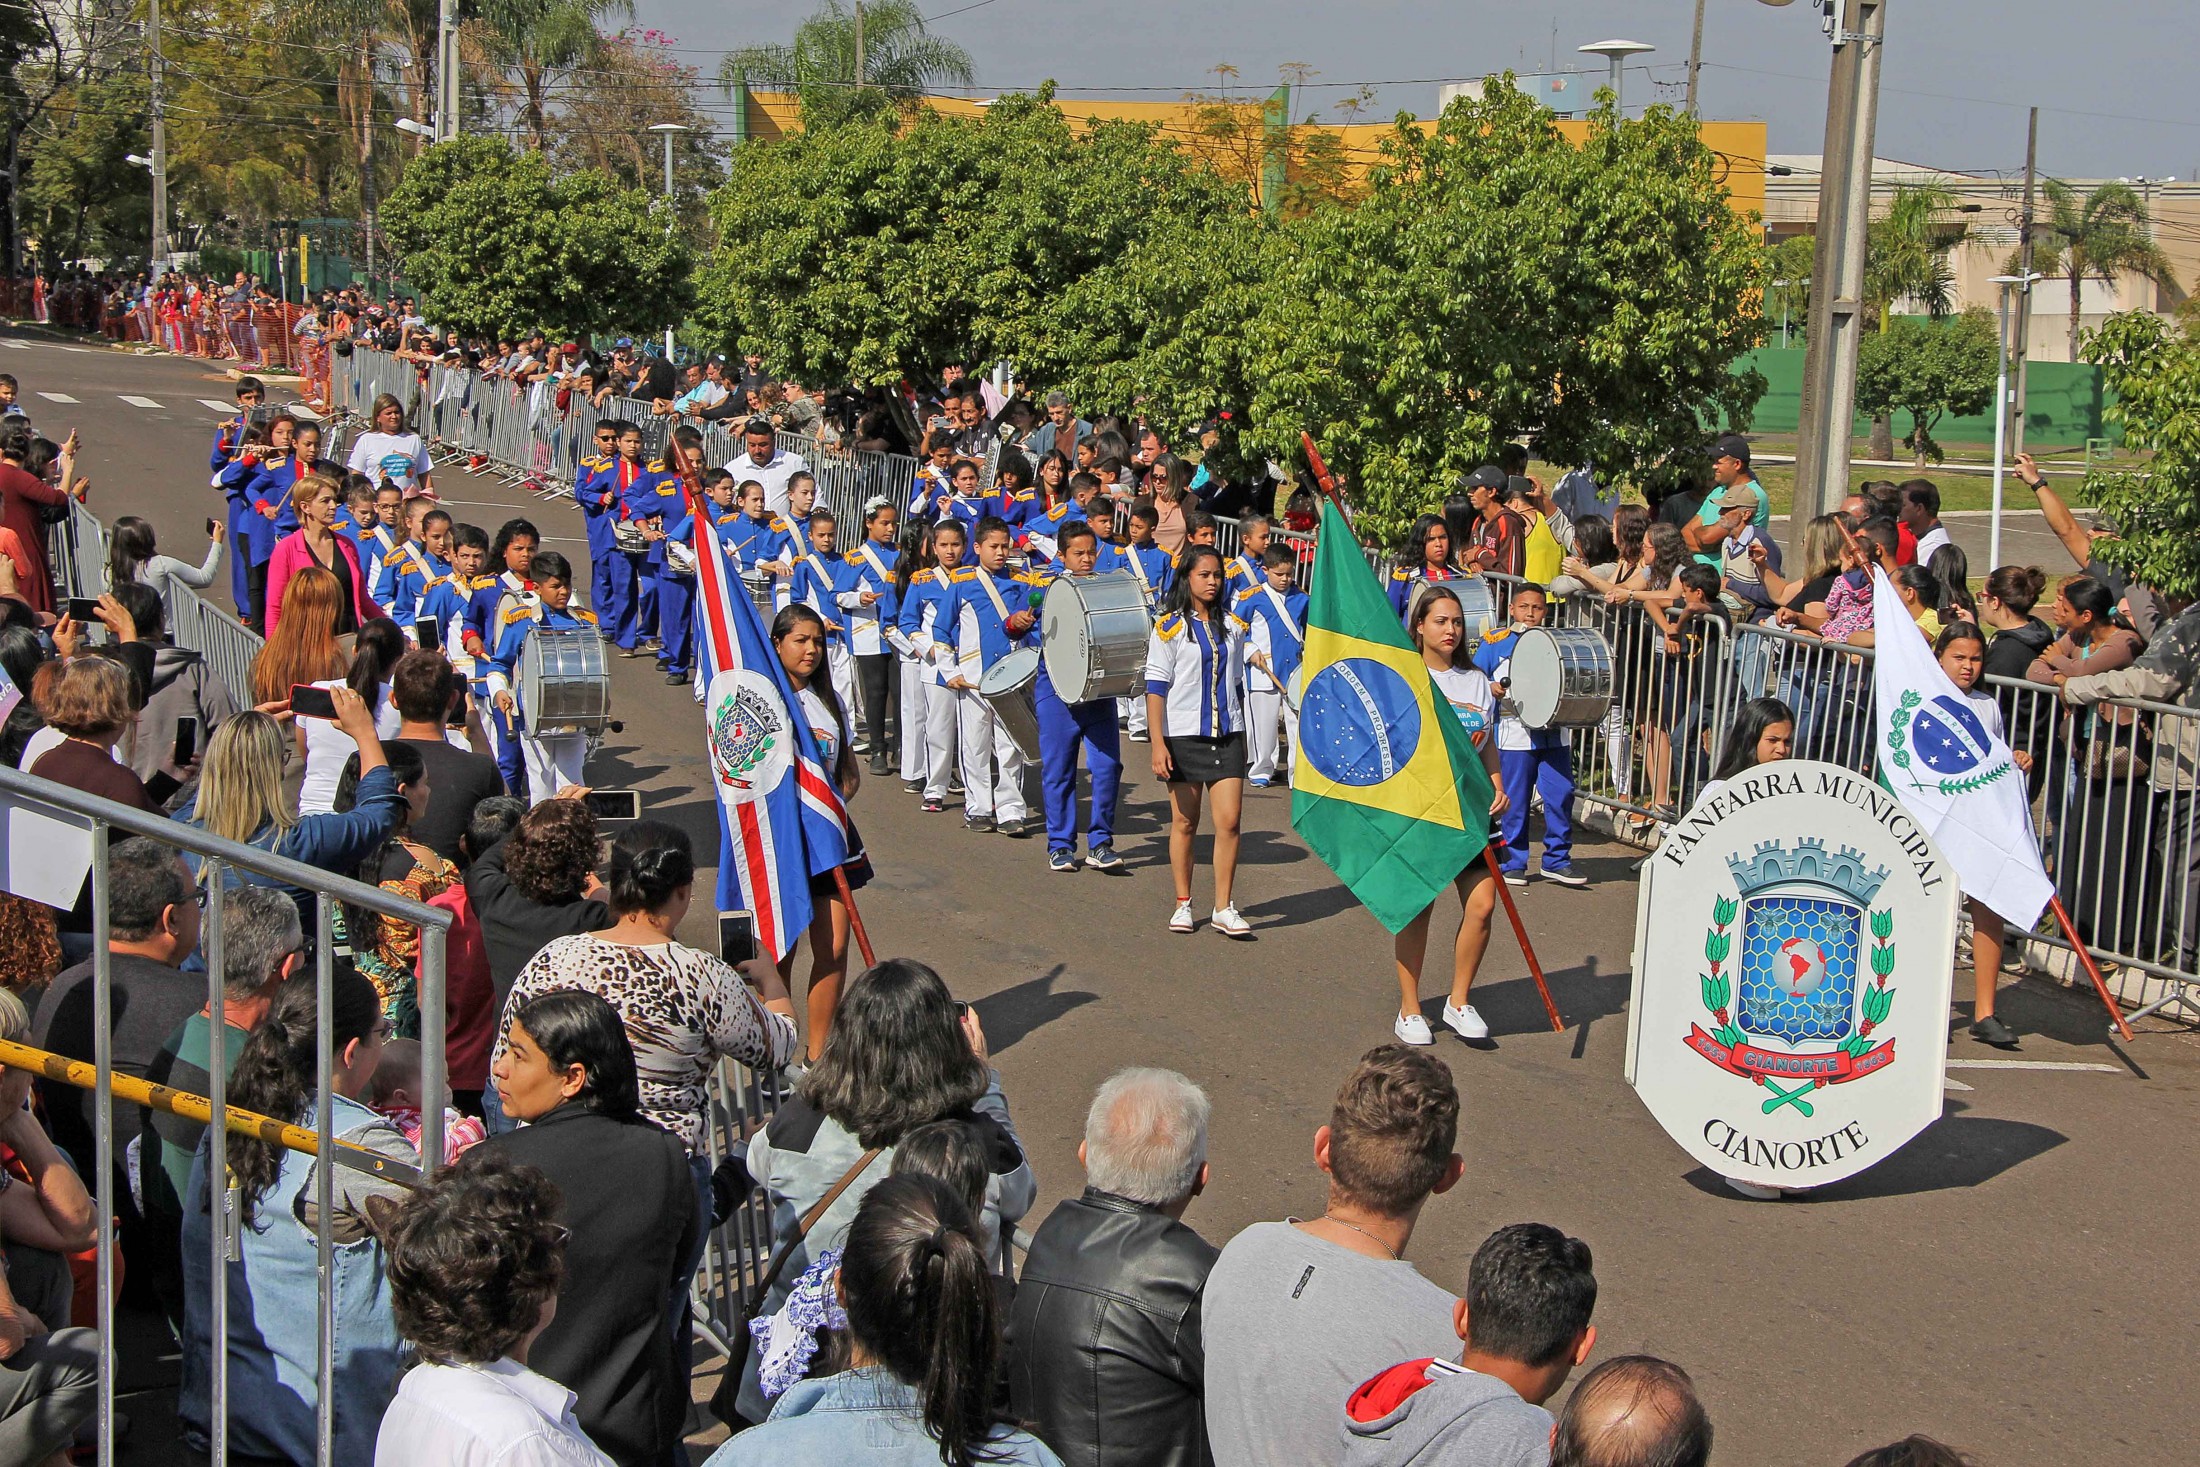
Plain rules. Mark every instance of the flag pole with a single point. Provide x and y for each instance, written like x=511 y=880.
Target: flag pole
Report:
x=1328 y=484
x=855 y=918
x=2092 y=969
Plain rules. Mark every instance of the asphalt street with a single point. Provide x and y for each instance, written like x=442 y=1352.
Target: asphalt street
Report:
x=2016 y=1282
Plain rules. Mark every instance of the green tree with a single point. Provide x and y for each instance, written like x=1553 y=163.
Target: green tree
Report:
x=846 y=63
x=531 y=46
x=872 y=252
x=2154 y=370
x=1906 y=259
x=1787 y=284
x=2096 y=236
x=497 y=244
x=1928 y=369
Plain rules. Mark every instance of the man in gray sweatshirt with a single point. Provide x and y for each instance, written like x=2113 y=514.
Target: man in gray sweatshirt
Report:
x=1525 y=1321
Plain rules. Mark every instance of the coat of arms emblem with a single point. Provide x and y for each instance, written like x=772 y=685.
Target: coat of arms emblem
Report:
x=748 y=745
x=1793 y=1006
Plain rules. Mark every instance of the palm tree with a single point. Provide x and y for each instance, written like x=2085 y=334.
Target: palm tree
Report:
x=845 y=60
x=2097 y=237
x=536 y=43
x=1906 y=259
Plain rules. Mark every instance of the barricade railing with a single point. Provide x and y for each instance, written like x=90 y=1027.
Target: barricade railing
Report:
x=63 y=821
x=227 y=644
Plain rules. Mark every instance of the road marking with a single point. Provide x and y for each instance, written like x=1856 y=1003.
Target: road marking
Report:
x=2035 y=1065
x=1949 y=1084
x=57 y=397
x=14 y=344
x=217 y=404
x=139 y=402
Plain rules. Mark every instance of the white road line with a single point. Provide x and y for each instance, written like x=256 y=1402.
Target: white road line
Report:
x=139 y=402
x=1949 y=1084
x=57 y=397
x=15 y=345
x=217 y=404
x=2035 y=1065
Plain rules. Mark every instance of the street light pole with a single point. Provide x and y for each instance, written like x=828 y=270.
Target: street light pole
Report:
x=666 y=131
x=446 y=69
x=160 y=145
x=2001 y=415
x=1616 y=53
x=1835 y=326
x=1695 y=58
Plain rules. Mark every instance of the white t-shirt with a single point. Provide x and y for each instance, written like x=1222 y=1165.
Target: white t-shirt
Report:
x=773 y=475
x=399 y=457
x=327 y=747
x=1472 y=696
x=823 y=725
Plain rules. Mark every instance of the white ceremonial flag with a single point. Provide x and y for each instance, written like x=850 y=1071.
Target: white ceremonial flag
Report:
x=1943 y=756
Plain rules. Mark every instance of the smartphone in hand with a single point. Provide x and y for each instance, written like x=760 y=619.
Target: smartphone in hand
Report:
x=615 y=804
x=187 y=741
x=307 y=701
x=83 y=610
x=737 y=937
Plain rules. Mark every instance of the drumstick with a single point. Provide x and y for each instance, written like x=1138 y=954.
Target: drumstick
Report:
x=1328 y=484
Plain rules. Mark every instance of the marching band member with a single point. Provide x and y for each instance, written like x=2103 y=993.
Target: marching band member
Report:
x=935 y=483
x=598 y=513
x=1012 y=499
x=1043 y=527
x=355 y=518
x=1195 y=697
x=379 y=545
x=1145 y=559
x=232 y=438
x=798 y=635
x=1425 y=559
x=231 y=479
x=967 y=503
x=1063 y=729
x=540 y=765
x=672 y=558
x=1247 y=570
x=992 y=617
x=230 y=432
x=615 y=491
x=267 y=516
x=449 y=603
x=421 y=561
x=510 y=568
x=928 y=706
x=1439 y=630
x=1276 y=612
x=870 y=608
x=1536 y=761
x=819 y=576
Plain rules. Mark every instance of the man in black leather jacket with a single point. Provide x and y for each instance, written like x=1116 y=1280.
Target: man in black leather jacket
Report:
x=1105 y=1362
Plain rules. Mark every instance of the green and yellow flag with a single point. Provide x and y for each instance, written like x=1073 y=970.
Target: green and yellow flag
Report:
x=1386 y=787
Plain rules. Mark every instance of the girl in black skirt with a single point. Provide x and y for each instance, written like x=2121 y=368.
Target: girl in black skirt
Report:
x=1195 y=704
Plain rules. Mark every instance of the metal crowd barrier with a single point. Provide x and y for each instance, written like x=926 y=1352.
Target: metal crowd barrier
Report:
x=228 y=645
x=24 y=798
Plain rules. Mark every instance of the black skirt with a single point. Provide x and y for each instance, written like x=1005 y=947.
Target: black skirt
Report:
x=1194 y=760
x=857 y=868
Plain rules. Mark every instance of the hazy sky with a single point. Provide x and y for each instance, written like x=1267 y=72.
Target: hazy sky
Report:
x=2114 y=78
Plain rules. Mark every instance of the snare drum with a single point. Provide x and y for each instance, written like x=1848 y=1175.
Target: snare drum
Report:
x=1561 y=677
x=1477 y=605
x=1007 y=686
x=1094 y=630
x=564 y=682
x=760 y=592
x=627 y=536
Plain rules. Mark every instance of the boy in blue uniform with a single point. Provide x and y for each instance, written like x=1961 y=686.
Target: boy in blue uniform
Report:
x=820 y=575
x=532 y=764
x=1247 y=571
x=448 y=603
x=1063 y=729
x=1043 y=530
x=935 y=483
x=993 y=617
x=673 y=574
x=870 y=605
x=421 y=563
x=930 y=706
x=759 y=541
x=1276 y=612
x=1530 y=760
x=378 y=546
x=598 y=512
x=1150 y=563
x=613 y=493
x=231 y=479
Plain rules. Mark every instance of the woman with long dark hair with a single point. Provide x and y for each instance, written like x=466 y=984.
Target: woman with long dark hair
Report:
x=273 y=1343
x=1763 y=731
x=925 y=1350
x=133 y=555
x=903 y=1054
x=798 y=636
x=1195 y=703
x=567 y=1070
x=321 y=745
x=1423 y=559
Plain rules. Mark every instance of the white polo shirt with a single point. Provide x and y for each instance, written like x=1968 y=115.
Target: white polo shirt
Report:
x=773 y=475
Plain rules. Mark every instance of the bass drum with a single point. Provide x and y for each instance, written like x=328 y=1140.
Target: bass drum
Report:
x=1007 y=686
x=1561 y=677
x=565 y=682
x=1477 y=604
x=1094 y=631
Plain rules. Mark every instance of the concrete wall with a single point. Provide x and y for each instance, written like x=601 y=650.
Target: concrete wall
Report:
x=2063 y=404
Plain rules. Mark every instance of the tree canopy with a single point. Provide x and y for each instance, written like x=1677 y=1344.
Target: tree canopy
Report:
x=496 y=243
x=2154 y=370
x=1928 y=369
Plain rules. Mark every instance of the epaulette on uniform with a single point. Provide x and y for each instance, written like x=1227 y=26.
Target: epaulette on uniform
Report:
x=1169 y=626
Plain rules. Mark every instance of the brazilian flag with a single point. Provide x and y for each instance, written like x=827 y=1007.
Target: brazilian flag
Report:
x=1386 y=787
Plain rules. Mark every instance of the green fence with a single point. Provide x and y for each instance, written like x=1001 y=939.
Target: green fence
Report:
x=2064 y=403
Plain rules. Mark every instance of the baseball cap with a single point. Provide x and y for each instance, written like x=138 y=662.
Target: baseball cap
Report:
x=625 y=343
x=570 y=346
x=1489 y=476
x=1739 y=496
x=1733 y=446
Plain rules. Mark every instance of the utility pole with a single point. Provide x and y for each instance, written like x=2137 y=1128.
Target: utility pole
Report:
x=1836 y=319
x=861 y=73
x=446 y=70
x=2020 y=342
x=1695 y=59
x=160 y=146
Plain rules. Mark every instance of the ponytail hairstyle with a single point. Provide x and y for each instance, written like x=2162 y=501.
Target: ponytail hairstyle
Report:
x=2088 y=596
x=650 y=860
x=1179 y=596
x=375 y=652
x=276 y=1075
x=920 y=1301
x=792 y=615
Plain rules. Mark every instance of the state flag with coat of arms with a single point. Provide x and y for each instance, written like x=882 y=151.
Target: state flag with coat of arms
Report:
x=1386 y=786
x=780 y=818
x=1941 y=755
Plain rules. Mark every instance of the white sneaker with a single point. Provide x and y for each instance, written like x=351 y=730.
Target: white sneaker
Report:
x=1182 y=921
x=1412 y=1029
x=1751 y=1189
x=1462 y=1020
x=1227 y=922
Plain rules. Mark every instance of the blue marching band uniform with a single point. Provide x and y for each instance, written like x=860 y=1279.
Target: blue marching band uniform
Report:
x=528 y=760
x=1064 y=729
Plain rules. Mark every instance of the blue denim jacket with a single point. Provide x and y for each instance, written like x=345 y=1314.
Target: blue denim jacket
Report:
x=335 y=842
x=859 y=1418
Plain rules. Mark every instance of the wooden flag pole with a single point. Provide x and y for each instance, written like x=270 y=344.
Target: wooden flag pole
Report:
x=2092 y=969
x=1328 y=483
x=855 y=918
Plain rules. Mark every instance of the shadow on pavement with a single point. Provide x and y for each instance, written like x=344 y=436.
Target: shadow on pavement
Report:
x=1024 y=1008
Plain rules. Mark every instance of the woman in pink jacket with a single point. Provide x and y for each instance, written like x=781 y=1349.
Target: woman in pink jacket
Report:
x=314 y=499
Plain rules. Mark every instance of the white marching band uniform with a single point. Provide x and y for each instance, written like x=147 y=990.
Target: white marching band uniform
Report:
x=551 y=762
